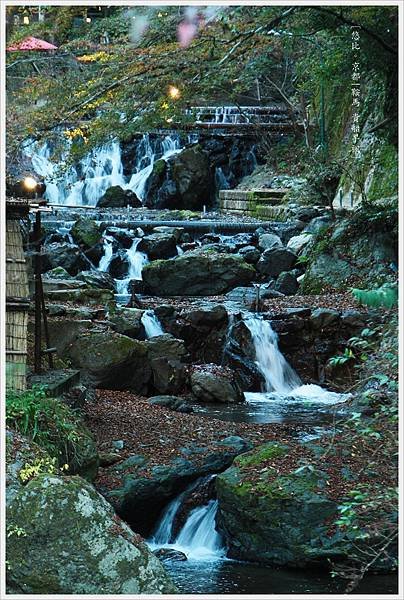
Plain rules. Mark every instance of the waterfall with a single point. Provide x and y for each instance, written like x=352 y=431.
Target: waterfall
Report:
x=136 y=260
x=279 y=375
x=107 y=256
x=198 y=538
x=280 y=379
x=164 y=530
x=147 y=156
x=151 y=324
x=85 y=183
x=199 y=534
x=221 y=180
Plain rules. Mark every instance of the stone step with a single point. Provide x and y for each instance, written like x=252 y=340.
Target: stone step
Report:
x=259 y=211
x=249 y=204
x=253 y=194
x=57 y=382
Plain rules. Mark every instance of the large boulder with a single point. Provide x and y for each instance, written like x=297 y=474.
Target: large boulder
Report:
x=169 y=375
x=287 y=283
x=167 y=355
x=281 y=505
x=250 y=254
x=166 y=345
x=74 y=543
x=266 y=241
x=68 y=256
x=279 y=519
x=86 y=232
x=123 y=237
x=212 y=383
x=119 y=265
x=298 y=242
x=127 y=321
x=197 y=274
x=159 y=245
x=112 y=360
x=184 y=182
x=203 y=329
x=117 y=197
x=63 y=332
x=81 y=296
x=276 y=260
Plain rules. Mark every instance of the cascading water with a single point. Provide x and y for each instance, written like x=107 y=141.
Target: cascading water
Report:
x=279 y=375
x=281 y=381
x=147 y=156
x=136 y=260
x=151 y=324
x=198 y=538
x=106 y=258
x=85 y=183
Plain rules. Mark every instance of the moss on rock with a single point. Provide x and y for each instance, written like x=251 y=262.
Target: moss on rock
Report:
x=70 y=541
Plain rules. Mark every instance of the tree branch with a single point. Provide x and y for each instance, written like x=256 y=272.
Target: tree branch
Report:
x=347 y=21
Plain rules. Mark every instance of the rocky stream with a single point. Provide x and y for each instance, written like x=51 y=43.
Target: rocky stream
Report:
x=204 y=373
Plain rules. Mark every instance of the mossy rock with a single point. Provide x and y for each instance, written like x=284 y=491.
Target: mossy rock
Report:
x=64 y=538
x=117 y=197
x=86 y=232
x=274 y=519
x=24 y=461
x=197 y=274
x=112 y=360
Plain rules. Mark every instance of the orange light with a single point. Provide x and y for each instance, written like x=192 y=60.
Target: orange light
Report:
x=30 y=184
x=174 y=92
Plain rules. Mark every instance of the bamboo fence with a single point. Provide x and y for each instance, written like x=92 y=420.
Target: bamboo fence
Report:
x=16 y=300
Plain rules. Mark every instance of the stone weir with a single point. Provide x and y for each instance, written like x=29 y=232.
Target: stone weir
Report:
x=255 y=202
x=202 y=226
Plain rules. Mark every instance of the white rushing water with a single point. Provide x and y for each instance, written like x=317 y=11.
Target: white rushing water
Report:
x=281 y=381
x=136 y=260
x=151 y=324
x=85 y=183
x=148 y=154
x=198 y=538
x=106 y=258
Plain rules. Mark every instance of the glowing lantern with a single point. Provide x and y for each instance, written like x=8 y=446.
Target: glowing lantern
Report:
x=174 y=92
x=30 y=183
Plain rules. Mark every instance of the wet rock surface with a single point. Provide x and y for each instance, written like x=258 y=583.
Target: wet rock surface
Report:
x=211 y=383
x=197 y=274
x=117 y=197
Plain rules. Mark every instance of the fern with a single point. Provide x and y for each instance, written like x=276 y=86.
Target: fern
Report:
x=385 y=296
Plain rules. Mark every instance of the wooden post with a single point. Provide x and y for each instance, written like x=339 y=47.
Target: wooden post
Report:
x=45 y=325
x=38 y=286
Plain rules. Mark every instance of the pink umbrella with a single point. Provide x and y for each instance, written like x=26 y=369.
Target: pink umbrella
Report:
x=31 y=43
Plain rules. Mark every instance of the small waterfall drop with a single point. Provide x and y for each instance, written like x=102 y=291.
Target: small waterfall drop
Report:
x=279 y=375
x=199 y=535
x=281 y=381
x=198 y=538
x=147 y=156
x=151 y=324
x=106 y=258
x=136 y=260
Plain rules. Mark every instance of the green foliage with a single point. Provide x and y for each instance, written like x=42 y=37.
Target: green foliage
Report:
x=386 y=296
x=50 y=423
x=123 y=79
x=41 y=465
x=342 y=359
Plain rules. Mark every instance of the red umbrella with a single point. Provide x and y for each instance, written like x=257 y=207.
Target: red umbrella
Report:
x=31 y=43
